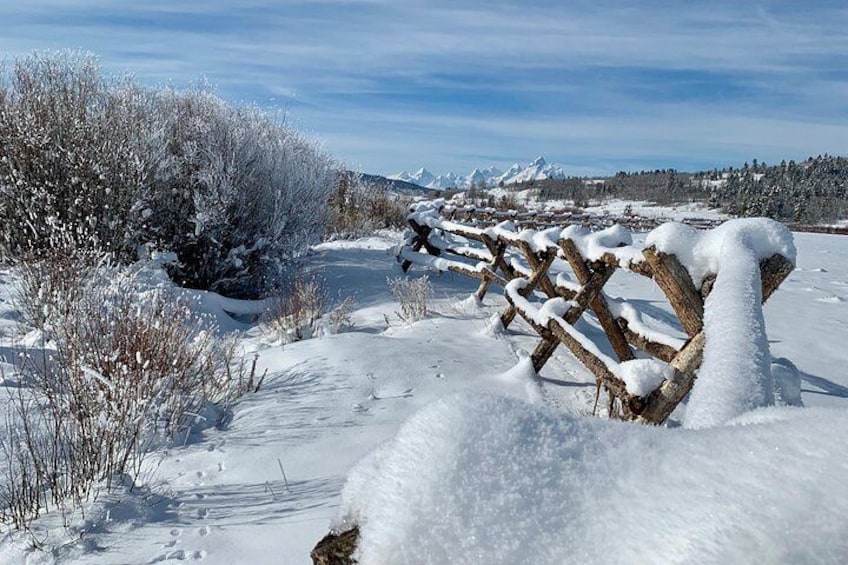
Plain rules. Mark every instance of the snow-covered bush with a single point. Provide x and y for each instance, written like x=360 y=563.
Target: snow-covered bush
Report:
x=51 y=281
x=123 y=370
x=72 y=154
x=232 y=191
x=413 y=297
x=305 y=311
x=358 y=208
x=236 y=195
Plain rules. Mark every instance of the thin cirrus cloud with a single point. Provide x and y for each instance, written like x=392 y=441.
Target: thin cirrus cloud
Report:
x=597 y=85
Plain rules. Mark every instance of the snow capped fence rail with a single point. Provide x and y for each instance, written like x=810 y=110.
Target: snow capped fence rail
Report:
x=535 y=219
x=715 y=282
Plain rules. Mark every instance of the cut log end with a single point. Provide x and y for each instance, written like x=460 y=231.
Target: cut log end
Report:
x=336 y=548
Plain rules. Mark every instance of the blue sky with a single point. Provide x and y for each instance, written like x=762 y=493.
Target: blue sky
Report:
x=597 y=86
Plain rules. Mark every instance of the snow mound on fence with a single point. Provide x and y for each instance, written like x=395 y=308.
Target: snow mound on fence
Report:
x=701 y=251
x=487 y=479
x=735 y=375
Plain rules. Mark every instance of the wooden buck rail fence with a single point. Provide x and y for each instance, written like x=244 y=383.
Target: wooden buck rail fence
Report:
x=552 y=277
x=487 y=217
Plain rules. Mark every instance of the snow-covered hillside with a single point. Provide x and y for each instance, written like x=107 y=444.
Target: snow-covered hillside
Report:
x=265 y=487
x=538 y=169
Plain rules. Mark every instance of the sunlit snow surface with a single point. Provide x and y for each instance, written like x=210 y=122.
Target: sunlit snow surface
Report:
x=487 y=479
x=328 y=402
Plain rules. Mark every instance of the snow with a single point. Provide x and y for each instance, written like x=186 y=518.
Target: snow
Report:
x=638 y=324
x=787 y=383
x=496 y=474
x=487 y=479
x=735 y=375
x=615 y=240
x=643 y=376
x=676 y=212
x=701 y=251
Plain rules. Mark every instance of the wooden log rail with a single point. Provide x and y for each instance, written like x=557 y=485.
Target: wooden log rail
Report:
x=541 y=219
x=552 y=301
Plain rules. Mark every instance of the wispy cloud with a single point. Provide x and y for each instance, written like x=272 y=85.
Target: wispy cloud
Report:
x=391 y=85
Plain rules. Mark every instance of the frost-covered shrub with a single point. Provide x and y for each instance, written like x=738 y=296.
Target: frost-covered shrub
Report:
x=305 y=311
x=236 y=195
x=339 y=317
x=358 y=208
x=232 y=191
x=50 y=282
x=412 y=295
x=73 y=154
x=123 y=370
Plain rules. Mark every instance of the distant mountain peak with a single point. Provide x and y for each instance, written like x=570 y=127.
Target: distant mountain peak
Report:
x=538 y=169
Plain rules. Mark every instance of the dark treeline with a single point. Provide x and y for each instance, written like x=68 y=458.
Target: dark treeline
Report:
x=812 y=191
x=664 y=186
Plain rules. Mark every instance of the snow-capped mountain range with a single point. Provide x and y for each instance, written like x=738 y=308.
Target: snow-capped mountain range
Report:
x=539 y=169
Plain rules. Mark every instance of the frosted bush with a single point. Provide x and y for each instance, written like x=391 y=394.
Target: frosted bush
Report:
x=339 y=318
x=412 y=295
x=239 y=196
x=358 y=208
x=125 y=370
x=235 y=193
x=305 y=311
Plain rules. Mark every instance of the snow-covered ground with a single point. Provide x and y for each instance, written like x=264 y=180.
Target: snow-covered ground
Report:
x=677 y=212
x=266 y=488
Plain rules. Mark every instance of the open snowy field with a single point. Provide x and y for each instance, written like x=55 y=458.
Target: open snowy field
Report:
x=267 y=486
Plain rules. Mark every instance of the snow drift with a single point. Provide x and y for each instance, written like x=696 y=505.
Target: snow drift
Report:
x=487 y=479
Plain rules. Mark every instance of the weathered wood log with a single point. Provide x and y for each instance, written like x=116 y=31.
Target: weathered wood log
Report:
x=424 y=233
x=498 y=250
x=336 y=548
x=441 y=264
x=631 y=405
x=773 y=271
x=539 y=263
x=659 y=350
x=540 y=273
x=470 y=253
x=642 y=268
x=662 y=402
x=419 y=241
x=675 y=282
x=542 y=353
x=482 y=274
x=588 y=294
x=598 y=303
x=462 y=231
x=567 y=293
x=707 y=286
